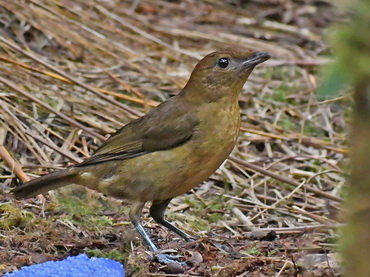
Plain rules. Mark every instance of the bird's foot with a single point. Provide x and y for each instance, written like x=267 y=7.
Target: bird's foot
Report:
x=168 y=259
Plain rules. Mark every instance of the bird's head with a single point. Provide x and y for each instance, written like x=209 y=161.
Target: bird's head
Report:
x=225 y=71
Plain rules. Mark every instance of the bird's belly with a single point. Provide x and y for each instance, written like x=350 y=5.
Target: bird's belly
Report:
x=155 y=176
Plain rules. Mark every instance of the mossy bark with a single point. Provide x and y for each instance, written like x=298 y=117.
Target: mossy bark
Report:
x=353 y=48
x=356 y=238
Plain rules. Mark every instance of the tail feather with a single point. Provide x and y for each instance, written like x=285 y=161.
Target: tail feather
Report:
x=45 y=183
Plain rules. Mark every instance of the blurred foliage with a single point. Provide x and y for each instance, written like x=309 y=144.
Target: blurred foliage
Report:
x=351 y=45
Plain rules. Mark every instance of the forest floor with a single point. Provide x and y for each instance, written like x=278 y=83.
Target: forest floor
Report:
x=73 y=72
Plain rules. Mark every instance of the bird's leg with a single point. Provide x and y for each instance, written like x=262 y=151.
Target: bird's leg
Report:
x=157 y=213
x=135 y=217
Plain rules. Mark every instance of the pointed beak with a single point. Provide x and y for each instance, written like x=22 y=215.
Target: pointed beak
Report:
x=257 y=58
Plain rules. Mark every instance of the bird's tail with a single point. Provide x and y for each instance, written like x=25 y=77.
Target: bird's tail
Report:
x=45 y=183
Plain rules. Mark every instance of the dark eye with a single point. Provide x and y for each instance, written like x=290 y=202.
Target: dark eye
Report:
x=223 y=62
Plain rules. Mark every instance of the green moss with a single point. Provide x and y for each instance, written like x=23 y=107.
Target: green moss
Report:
x=216 y=206
x=112 y=254
x=253 y=251
x=281 y=94
x=12 y=217
x=311 y=129
x=84 y=210
x=287 y=124
x=272 y=253
x=215 y=217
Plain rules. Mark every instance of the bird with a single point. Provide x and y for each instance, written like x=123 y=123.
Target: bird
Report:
x=168 y=151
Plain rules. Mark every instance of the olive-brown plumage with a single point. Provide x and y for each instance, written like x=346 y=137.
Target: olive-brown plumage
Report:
x=171 y=149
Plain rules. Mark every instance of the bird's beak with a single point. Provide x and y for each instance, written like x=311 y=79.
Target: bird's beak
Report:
x=257 y=58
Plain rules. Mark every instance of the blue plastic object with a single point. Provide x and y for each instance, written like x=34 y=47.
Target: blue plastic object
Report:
x=78 y=266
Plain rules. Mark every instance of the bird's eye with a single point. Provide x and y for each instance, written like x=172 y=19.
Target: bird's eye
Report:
x=223 y=62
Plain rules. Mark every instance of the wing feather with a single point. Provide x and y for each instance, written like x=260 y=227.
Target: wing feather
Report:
x=167 y=126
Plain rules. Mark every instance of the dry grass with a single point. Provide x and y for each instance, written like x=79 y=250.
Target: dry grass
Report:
x=72 y=72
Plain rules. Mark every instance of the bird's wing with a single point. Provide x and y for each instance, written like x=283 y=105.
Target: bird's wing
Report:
x=167 y=126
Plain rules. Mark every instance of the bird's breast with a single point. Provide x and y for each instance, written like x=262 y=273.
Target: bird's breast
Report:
x=210 y=145
x=218 y=129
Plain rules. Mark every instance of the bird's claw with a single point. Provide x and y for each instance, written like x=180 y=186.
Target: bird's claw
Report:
x=168 y=259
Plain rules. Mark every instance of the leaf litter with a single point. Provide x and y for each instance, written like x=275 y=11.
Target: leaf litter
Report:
x=73 y=72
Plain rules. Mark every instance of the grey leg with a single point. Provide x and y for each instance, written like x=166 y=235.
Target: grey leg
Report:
x=135 y=217
x=157 y=212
